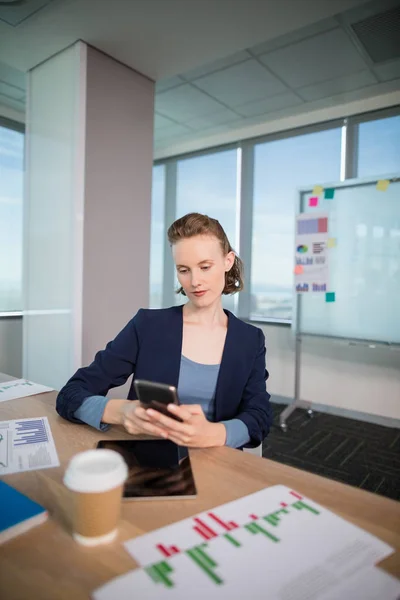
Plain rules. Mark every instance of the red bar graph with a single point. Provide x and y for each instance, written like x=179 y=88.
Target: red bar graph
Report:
x=296 y=495
x=283 y=504
x=206 y=532
x=254 y=517
x=167 y=551
x=227 y=526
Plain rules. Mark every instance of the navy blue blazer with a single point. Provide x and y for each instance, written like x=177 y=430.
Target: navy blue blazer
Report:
x=150 y=346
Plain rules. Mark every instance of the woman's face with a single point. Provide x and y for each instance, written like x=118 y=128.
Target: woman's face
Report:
x=201 y=267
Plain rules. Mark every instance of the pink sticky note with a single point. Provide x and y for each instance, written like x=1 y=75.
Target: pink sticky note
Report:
x=313 y=201
x=298 y=270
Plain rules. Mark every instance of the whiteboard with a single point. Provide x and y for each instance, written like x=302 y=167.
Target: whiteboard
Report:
x=364 y=266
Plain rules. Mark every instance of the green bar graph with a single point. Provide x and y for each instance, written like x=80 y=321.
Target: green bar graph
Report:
x=300 y=504
x=232 y=540
x=272 y=520
x=205 y=562
x=256 y=528
x=159 y=573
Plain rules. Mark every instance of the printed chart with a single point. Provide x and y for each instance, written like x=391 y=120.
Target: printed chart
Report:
x=26 y=444
x=311 y=257
x=275 y=537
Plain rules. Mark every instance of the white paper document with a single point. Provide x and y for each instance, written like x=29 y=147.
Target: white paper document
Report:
x=19 y=388
x=273 y=541
x=366 y=584
x=26 y=445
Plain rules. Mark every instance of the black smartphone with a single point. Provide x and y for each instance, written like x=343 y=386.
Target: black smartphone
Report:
x=157 y=396
x=157 y=469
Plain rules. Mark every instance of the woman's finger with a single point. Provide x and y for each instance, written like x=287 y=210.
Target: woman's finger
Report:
x=180 y=411
x=167 y=422
x=139 y=426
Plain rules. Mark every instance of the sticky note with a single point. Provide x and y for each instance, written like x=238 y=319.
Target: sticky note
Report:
x=298 y=270
x=382 y=185
x=317 y=190
x=331 y=242
x=313 y=201
x=330 y=297
x=329 y=193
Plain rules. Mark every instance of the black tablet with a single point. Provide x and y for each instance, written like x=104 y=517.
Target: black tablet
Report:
x=156 y=469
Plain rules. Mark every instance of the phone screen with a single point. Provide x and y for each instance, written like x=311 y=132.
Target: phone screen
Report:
x=156 y=469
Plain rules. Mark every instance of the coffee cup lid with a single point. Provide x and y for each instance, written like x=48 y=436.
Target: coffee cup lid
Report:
x=95 y=471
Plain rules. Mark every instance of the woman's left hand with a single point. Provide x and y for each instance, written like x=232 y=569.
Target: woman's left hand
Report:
x=195 y=431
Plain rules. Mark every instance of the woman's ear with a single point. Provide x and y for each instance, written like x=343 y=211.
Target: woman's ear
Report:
x=229 y=260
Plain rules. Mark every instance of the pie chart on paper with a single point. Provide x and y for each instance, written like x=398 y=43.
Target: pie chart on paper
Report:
x=302 y=249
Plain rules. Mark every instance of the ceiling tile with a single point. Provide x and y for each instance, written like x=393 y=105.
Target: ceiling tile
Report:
x=185 y=102
x=11 y=91
x=294 y=36
x=388 y=71
x=241 y=83
x=166 y=84
x=160 y=121
x=319 y=58
x=269 y=104
x=221 y=117
x=217 y=65
x=15 y=13
x=12 y=76
x=337 y=86
x=171 y=132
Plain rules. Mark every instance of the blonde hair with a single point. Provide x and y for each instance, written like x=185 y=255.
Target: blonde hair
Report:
x=197 y=224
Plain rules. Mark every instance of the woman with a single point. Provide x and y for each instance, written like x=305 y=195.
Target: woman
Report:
x=216 y=361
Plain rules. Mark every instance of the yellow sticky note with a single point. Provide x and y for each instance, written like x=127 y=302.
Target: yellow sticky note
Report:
x=382 y=185
x=317 y=190
x=331 y=242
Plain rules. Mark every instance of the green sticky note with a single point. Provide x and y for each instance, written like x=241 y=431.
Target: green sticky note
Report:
x=329 y=193
x=330 y=297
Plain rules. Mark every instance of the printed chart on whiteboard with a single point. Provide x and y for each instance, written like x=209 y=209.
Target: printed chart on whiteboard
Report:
x=311 y=254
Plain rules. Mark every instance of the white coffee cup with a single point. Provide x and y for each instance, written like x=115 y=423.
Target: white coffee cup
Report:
x=96 y=479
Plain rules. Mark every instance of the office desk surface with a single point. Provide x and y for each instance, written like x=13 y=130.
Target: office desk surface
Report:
x=45 y=563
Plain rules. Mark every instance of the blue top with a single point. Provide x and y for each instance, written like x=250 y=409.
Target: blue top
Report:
x=150 y=346
x=197 y=385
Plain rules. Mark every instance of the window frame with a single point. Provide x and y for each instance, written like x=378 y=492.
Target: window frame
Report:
x=245 y=188
x=7 y=123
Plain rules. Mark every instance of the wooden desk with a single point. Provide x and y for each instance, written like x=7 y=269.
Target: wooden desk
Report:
x=46 y=563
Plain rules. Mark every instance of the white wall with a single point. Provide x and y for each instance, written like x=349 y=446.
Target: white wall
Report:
x=335 y=374
x=118 y=176
x=11 y=346
x=87 y=208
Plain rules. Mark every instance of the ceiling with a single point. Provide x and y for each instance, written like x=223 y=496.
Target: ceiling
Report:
x=219 y=65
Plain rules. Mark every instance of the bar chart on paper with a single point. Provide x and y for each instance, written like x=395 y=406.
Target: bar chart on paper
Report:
x=30 y=432
x=25 y=445
x=235 y=549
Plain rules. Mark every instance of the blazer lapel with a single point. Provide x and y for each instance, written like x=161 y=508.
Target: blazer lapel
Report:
x=229 y=364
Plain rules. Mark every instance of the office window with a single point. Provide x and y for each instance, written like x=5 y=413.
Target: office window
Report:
x=379 y=147
x=11 y=201
x=207 y=184
x=280 y=168
x=157 y=238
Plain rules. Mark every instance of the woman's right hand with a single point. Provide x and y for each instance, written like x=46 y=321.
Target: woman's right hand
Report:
x=132 y=416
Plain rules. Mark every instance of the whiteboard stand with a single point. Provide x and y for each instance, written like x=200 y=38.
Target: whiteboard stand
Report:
x=297 y=403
